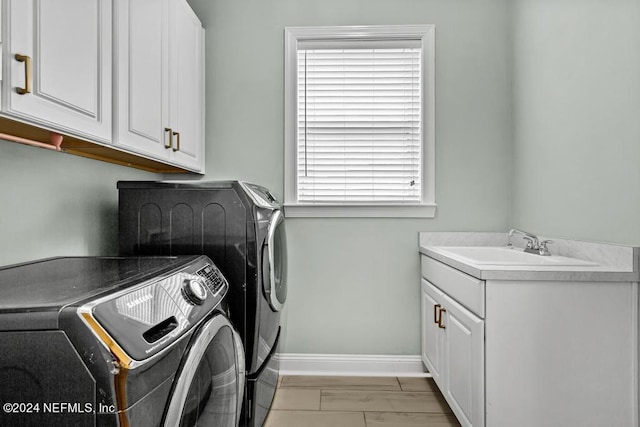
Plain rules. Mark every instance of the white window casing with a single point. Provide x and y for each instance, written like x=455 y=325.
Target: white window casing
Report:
x=359 y=121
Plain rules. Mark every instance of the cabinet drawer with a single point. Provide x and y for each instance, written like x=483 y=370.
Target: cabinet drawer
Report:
x=465 y=289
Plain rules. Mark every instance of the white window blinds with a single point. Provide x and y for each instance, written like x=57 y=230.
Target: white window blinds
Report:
x=359 y=126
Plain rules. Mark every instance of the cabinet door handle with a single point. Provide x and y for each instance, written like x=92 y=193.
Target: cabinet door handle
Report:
x=435 y=313
x=177 y=134
x=440 y=325
x=27 y=74
x=170 y=138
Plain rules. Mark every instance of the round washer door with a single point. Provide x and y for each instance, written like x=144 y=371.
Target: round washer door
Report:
x=274 y=264
x=209 y=387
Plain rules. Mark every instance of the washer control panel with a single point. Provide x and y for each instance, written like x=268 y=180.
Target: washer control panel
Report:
x=145 y=319
x=260 y=195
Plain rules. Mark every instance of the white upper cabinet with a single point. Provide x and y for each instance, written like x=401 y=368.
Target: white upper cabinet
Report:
x=59 y=72
x=160 y=81
x=141 y=76
x=186 y=81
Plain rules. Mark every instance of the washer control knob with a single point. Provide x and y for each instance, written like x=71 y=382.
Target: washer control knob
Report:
x=194 y=291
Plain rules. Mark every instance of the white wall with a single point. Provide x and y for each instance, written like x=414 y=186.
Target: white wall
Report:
x=576 y=118
x=354 y=283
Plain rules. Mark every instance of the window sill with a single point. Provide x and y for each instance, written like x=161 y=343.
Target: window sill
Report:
x=359 y=211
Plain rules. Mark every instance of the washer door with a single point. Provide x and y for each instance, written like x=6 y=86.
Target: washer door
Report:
x=274 y=264
x=209 y=387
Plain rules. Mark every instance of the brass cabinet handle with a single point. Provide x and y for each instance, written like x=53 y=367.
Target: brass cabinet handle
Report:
x=177 y=134
x=440 y=325
x=170 y=138
x=435 y=313
x=27 y=74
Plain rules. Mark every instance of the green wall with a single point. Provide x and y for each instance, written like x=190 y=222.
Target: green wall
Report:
x=56 y=204
x=354 y=282
x=576 y=119
x=536 y=127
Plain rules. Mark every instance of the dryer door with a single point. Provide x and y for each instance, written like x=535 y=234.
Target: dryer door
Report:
x=274 y=268
x=209 y=387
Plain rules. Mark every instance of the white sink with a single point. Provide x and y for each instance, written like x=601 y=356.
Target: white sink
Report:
x=483 y=255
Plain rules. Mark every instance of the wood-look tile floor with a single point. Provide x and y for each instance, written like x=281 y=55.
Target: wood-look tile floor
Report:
x=316 y=401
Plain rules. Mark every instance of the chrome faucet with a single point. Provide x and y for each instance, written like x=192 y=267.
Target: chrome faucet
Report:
x=543 y=250
x=534 y=246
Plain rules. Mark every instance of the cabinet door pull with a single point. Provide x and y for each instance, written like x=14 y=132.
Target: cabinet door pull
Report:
x=27 y=74
x=177 y=134
x=170 y=138
x=440 y=325
x=435 y=313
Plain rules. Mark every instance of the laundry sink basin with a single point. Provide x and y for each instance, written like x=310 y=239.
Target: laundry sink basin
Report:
x=507 y=256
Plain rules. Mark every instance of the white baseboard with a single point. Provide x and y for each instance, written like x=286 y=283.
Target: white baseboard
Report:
x=351 y=365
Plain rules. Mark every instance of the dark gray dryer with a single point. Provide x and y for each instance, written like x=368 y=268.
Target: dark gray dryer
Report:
x=240 y=227
x=108 y=341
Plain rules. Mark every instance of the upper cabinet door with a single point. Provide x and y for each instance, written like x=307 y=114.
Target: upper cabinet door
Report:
x=186 y=86
x=160 y=81
x=142 y=73
x=60 y=65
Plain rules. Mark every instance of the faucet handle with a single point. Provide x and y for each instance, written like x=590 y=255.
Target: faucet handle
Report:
x=529 y=242
x=543 y=247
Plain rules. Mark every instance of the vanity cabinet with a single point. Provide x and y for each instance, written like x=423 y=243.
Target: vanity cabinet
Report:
x=160 y=81
x=432 y=335
x=531 y=353
x=58 y=65
x=453 y=352
x=463 y=374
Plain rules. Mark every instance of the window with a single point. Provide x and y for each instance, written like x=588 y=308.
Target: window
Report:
x=359 y=121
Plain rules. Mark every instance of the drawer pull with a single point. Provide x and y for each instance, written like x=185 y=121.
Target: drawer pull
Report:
x=435 y=313
x=440 y=325
x=170 y=138
x=27 y=74
x=177 y=134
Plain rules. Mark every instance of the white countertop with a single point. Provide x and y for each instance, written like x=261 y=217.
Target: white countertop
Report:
x=613 y=263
